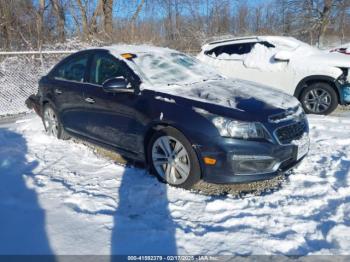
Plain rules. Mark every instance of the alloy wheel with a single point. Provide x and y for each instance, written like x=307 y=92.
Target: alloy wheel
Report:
x=51 y=122
x=171 y=160
x=317 y=100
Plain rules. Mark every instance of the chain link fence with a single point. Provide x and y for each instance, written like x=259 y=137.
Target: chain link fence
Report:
x=19 y=75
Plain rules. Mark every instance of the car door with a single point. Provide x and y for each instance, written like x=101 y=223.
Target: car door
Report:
x=112 y=118
x=67 y=85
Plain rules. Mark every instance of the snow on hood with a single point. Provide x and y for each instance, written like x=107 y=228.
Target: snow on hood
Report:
x=331 y=59
x=230 y=93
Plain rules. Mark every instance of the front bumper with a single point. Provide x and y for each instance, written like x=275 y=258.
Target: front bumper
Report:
x=345 y=94
x=271 y=160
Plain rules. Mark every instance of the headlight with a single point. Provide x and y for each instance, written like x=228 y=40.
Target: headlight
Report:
x=236 y=129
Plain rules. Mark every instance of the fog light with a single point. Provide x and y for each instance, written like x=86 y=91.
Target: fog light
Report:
x=254 y=164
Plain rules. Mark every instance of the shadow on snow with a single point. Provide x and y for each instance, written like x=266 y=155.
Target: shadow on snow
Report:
x=22 y=220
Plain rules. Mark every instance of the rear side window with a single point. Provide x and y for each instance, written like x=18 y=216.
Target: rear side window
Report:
x=105 y=67
x=236 y=49
x=72 y=70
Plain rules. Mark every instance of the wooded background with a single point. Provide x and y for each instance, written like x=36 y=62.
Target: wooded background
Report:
x=181 y=24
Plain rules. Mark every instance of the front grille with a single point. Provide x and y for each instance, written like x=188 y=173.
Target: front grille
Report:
x=287 y=134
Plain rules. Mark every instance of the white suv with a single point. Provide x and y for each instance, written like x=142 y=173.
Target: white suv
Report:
x=319 y=79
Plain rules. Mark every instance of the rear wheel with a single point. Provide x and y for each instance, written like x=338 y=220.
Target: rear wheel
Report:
x=52 y=124
x=319 y=98
x=172 y=159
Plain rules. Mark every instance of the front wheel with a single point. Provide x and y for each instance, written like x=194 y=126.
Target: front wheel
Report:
x=319 y=98
x=52 y=123
x=172 y=159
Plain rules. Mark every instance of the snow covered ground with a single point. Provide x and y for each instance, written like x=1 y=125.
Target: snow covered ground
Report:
x=58 y=197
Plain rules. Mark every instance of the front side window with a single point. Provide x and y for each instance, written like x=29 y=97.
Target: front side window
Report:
x=105 y=67
x=73 y=69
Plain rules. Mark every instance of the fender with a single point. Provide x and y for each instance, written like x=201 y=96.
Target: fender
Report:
x=47 y=100
x=155 y=126
x=319 y=78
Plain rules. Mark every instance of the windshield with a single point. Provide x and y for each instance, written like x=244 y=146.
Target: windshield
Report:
x=173 y=69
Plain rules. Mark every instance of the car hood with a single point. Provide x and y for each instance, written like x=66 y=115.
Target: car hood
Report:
x=331 y=59
x=246 y=97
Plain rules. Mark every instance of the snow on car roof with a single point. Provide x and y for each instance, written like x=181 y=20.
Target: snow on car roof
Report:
x=232 y=40
x=137 y=49
x=283 y=40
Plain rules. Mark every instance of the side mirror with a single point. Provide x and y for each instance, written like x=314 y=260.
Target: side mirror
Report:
x=116 y=85
x=283 y=55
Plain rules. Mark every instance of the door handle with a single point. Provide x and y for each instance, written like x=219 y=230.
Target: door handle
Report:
x=58 y=91
x=90 y=100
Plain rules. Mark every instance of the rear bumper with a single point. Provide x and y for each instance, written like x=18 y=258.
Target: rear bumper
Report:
x=272 y=160
x=33 y=102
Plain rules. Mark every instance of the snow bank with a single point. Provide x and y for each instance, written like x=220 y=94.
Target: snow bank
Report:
x=70 y=201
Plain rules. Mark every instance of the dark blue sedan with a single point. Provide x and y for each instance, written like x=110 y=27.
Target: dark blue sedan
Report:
x=180 y=117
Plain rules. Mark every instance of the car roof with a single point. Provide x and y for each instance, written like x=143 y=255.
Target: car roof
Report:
x=233 y=39
x=269 y=38
x=119 y=49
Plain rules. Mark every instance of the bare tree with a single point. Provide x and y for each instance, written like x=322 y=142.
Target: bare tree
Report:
x=107 y=9
x=324 y=19
x=242 y=18
x=5 y=23
x=343 y=14
x=135 y=16
x=84 y=19
x=59 y=12
x=40 y=23
x=182 y=24
x=93 y=27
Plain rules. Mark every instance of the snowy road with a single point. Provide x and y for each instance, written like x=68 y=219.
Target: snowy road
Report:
x=59 y=197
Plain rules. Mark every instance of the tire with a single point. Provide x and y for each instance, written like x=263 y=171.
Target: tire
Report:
x=52 y=124
x=173 y=169
x=319 y=98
